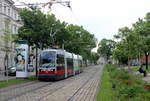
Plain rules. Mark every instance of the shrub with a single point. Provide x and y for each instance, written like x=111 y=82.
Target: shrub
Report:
x=147 y=86
x=146 y=96
x=130 y=92
x=128 y=87
x=111 y=68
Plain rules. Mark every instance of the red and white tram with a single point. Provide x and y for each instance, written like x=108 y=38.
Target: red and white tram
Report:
x=58 y=64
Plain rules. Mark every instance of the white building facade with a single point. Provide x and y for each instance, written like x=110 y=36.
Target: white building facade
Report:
x=9 y=24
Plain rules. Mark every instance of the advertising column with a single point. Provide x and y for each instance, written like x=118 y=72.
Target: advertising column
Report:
x=21 y=60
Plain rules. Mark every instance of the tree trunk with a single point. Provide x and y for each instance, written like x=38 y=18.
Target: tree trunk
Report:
x=129 y=64
x=36 y=60
x=6 y=64
x=146 y=60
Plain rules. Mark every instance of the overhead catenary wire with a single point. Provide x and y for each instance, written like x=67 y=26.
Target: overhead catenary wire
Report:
x=76 y=18
x=73 y=15
x=49 y=4
x=72 y=12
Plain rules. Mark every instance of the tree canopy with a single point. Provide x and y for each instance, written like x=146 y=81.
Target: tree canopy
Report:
x=133 y=42
x=44 y=30
x=105 y=48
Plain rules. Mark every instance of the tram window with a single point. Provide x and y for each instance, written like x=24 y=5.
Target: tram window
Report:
x=60 y=62
x=60 y=59
x=70 y=63
x=80 y=63
x=47 y=57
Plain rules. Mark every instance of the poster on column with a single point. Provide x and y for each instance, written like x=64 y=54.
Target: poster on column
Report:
x=21 y=60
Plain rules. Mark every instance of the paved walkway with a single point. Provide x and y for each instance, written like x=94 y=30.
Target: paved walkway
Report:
x=2 y=77
x=147 y=78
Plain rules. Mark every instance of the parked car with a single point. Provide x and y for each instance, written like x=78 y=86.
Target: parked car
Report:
x=12 y=71
x=30 y=68
x=135 y=64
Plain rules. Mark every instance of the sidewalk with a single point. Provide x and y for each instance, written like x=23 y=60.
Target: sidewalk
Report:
x=147 y=78
x=2 y=77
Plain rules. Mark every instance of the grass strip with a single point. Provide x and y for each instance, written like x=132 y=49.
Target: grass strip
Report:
x=105 y=92
x=10 y=82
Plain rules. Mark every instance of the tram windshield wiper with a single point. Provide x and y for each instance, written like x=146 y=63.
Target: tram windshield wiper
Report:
x=47 y=65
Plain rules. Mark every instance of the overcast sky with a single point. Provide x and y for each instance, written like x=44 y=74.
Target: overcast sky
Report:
x=101 y=17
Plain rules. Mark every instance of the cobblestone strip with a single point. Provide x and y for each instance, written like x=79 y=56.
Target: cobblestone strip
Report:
x=87 y=92
x=93 y=90
x=81 y=91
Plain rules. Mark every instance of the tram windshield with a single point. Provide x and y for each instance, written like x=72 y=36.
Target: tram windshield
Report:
x=47 y=59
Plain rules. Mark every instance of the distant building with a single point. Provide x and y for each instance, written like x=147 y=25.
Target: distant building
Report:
x=143 y=59
x=9 y=24
x=101 y=60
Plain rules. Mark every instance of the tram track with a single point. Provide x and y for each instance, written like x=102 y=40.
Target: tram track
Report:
x=47 y=91
x=69 y=91
x=4 y=96
x=53 y=90
x=83 y=85
x=50 y=92
x=19 y=91
x=17 y=86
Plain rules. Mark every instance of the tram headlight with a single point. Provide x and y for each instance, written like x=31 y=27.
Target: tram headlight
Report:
x=51 y=70
x=40 y=70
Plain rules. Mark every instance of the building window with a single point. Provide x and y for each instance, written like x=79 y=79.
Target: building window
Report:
x=1 y=6
x=5 y=9
x=7 y=25
x=15 y=15
x=12 y=28
x=9 y=11
x=15 y=29
x=12 y=13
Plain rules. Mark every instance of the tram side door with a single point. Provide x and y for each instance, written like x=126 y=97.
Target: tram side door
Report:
x=65 y=59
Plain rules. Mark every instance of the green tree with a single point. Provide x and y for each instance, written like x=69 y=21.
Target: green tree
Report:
x=142 y=27
x=38 y=26
x=119 y=53
x=80 y=41
x=105 y=48
x=129 y=45
x=33 y=28
x=94 y=57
